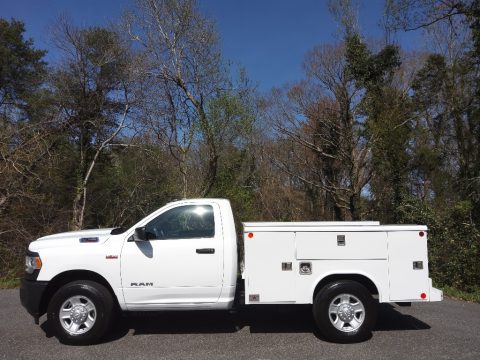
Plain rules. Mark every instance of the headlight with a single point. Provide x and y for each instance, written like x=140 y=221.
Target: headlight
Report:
x=32 y=263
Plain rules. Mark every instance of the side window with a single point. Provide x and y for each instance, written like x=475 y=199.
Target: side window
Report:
x=183 y=222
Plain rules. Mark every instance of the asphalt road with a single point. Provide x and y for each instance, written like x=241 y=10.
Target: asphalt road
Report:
x=445 y=330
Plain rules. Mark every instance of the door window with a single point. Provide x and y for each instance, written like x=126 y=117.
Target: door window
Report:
x=183 y=222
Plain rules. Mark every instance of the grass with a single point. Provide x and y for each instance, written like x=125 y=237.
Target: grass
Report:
x=10 y=279
x=452 y=292
x=9 y=282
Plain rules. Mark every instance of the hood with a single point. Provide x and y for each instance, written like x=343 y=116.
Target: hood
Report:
x=71 y=238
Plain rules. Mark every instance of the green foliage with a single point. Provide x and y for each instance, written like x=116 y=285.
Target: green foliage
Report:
x=370 y=71
x=474 y=19
x=21 y=65
x=445 y=99
x=454 y=242
x=129 y=184
x=89 y=86
x=231 y=118
x=10 y=281
x=473 y=295
x=234 y=182
x=387 y=124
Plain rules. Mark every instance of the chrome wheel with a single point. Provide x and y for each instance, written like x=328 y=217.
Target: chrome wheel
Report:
x=77 y=315
x=346 y=312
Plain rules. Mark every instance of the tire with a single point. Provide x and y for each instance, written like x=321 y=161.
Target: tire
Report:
x=80 y=312
x=345 y=312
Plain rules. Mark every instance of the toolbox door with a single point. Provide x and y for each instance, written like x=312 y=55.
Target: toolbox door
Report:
x=270 y=267
x=407 y=265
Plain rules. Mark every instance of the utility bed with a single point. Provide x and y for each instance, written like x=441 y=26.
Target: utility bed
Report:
x=284 y=262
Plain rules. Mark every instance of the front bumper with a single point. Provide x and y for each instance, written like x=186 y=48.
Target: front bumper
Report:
x=31 y=294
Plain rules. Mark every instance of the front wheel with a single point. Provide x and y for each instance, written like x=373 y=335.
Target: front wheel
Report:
x=345 y=312
x=80 y=312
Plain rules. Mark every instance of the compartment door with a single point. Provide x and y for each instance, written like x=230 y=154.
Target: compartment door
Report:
x=265 y=253
x=405 y=248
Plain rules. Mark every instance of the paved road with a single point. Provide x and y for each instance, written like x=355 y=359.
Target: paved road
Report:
x=446 y=330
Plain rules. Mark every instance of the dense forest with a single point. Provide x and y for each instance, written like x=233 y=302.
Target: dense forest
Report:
x=148 y=110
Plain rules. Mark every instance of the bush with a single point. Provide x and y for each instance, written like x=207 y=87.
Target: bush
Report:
x=454 y=242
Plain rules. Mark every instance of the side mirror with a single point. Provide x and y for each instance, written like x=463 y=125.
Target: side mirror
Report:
x=139 y=234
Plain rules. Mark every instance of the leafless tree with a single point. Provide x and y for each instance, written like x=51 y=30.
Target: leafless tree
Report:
x=183 y=66
x=320 y=115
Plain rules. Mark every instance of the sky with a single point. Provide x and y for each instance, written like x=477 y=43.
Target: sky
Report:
x=269 y=38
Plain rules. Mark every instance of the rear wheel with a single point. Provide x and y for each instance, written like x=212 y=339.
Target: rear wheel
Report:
x=344 y=311
x=80 y=312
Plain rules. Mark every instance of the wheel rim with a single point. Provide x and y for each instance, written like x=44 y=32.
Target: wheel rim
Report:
x=346 y=312
x=77 y=315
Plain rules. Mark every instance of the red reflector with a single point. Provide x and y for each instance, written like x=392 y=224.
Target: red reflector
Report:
x=421 y=233
x=250 y=235
x=423 y=295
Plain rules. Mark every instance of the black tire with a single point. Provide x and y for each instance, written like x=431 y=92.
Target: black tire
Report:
x=325 y=320
x=94 y=293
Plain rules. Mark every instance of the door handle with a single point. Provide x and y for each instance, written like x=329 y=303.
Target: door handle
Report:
x=206 y=251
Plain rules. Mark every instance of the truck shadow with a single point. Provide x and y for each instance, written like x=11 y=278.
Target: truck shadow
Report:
x=259 y=319
x=390 y=318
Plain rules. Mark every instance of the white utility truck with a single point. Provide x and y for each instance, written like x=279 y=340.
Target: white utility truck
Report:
x=184 y=257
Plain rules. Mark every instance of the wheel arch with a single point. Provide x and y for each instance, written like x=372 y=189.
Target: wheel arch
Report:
x=72 y=275
x=360 y=278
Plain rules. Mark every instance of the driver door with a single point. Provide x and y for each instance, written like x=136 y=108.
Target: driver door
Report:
x=181 y=262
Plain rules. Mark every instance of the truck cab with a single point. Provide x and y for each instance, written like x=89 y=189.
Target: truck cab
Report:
x=186 y=255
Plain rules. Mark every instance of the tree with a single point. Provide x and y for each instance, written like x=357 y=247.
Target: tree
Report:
x=414 y=14
x=387 y=121
x=93 y=90
x=184 y=69
x=22 y=69
x=319 y=116
x=447 y=108
x=27 y=140
x=23 y=144
x=450 y=109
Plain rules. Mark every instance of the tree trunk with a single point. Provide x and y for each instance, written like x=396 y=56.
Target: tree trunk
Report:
x=80 y=200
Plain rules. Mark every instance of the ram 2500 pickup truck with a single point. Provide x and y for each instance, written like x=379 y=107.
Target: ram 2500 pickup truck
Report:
x=184 y=257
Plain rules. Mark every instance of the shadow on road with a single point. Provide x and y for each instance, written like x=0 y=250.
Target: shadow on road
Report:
x=389 y=318
x=259 y=319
